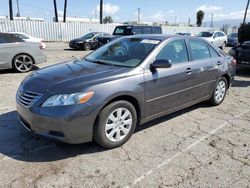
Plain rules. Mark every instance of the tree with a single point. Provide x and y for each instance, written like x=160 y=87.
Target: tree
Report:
x=200 y=16
x=108 y=19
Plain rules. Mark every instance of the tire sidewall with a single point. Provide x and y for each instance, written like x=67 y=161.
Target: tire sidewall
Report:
x=14 y=65
x=87 y=46
x=213 y=99
x=99 y=129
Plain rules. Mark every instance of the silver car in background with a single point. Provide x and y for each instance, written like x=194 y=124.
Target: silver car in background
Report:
x=218 y=38
x=19 y=55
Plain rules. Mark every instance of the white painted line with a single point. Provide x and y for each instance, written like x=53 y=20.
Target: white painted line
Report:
x=167 y=161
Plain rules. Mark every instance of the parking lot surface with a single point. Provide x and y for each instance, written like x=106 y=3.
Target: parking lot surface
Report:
x=201 y=146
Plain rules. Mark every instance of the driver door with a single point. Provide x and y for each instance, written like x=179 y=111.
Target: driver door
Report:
x=168 y=89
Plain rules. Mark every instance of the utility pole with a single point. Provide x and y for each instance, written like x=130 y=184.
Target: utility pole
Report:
x=101 y=11
x=244 y=21
x=18 y=11
x=65 y=11
x=11 y=9
x=139 y=16
x=212 y=17
x=55 y=8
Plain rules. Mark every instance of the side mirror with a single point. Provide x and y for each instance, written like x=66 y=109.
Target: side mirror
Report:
x=133 y=33
x=215 y=37
x=160 y=63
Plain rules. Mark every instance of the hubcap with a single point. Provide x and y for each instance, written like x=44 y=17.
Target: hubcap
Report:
x=23 y=63
x=118 y=124
x=220 y=91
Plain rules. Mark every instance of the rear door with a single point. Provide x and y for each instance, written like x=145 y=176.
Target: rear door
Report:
x=167 y=89
x=205 y=63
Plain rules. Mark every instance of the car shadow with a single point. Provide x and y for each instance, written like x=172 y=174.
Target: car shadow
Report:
x=11 y=71
x=20 y=145
x=71 y=49
x=242 y=71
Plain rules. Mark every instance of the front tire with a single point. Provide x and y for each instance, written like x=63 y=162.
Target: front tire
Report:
x=87 y=46
x=23 y=63
x=115 y=125
x=220 y=92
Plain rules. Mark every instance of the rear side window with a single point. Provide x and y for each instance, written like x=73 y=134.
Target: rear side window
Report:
x=9 y=38
x=157 y=30
x=137 y=30
x=175 y=51
x=147 y=30
x=199 y=49
x=216 y=34
x=213 y=52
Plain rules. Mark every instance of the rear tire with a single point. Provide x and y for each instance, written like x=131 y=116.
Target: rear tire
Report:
x=220 y=92
x=22 y=63
x=115 y=125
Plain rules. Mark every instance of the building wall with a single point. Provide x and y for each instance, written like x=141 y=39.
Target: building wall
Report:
x=52 y=31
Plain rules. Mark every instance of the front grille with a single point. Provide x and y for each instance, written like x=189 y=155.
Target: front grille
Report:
x=27 y=98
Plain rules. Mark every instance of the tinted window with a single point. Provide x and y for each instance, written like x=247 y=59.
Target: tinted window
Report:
x=213 y=52
x=89 y=36
x=147 y=30
x=199 y=49
x=21 y=36
x=157 y=30
x=9 y=38
x=216 y=34
x=221 y=34
x=233 y=35
x=175 y=51
x=137 y=30
x=205 y=34
x=123 y=30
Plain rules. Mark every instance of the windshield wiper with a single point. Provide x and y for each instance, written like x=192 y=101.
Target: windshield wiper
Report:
x=98 y=62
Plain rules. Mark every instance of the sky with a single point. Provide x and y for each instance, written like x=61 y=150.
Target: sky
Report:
x=126 y=10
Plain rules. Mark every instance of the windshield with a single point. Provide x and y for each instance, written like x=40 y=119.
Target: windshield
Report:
x=123 y=30
x=89 y=36
x=126 y=52
x=205 y=34
x=233 y=35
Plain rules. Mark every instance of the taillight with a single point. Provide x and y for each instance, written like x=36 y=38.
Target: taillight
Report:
x=234 y=62
x=41 y=46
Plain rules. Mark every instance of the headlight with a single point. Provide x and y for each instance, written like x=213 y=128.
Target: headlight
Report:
x=68 y=99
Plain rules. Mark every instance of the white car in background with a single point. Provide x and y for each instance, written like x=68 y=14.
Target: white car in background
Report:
x=218 y=38
x=19 y=55
x=28 y=38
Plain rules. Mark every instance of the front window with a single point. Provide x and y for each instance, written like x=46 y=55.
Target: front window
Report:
x=126 y=52
x=88 y=36
x=205 y=34
x=123 y=30
x=175 y=51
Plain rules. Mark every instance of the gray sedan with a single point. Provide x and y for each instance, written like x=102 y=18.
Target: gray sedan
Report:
x=121 y=85
x=18 y=54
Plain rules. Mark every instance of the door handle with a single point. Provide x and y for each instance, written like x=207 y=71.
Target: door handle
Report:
x=188 y=71
x=219 y=63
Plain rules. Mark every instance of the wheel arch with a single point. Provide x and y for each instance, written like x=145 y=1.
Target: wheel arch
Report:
x=228 y=80
x=127 y=98
x=24 y=53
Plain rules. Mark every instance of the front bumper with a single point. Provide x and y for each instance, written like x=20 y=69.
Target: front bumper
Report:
x=71 y=124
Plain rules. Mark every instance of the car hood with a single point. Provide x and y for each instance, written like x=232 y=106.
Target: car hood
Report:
x=72 y=76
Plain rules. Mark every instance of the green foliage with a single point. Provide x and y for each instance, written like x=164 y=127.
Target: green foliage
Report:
x=200 y=16
x=108 y=19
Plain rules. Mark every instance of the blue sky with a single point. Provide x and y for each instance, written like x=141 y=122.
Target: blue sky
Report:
x=124 y=10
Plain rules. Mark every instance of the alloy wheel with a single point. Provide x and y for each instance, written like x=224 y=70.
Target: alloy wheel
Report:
x=220 y=91
x=118 y=124
x=23 y=63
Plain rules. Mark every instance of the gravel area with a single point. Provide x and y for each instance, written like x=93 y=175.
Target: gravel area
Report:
x=201 y=146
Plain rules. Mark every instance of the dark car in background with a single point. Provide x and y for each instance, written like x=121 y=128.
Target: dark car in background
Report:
x=125 y=30
x=232 y=39
x=88 y=41
x=107 y=94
